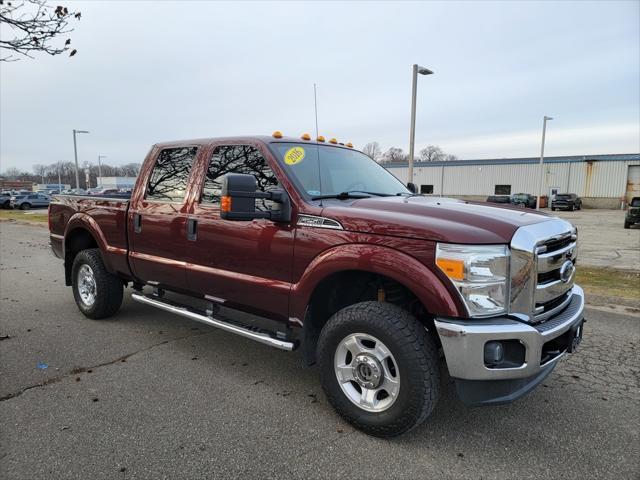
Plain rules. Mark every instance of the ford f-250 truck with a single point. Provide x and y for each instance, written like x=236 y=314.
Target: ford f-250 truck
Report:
x=370 y=280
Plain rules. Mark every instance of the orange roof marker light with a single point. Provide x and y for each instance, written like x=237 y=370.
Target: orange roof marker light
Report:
x=321 y=138
x=334 y=141
x=277 y=134
x=305 y=136
x=350 y=145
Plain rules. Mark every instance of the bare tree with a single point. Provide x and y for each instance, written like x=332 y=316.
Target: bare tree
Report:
x=36 y=26
x=431 y=153
x=12 y=173
x=40 y=171
x=372 y=149
x=394 y=154
x=130 y=169
x=449 y=157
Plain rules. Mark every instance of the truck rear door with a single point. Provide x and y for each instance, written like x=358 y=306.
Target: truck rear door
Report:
x=157 y=219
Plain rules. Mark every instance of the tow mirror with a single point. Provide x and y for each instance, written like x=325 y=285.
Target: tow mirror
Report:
x=412 y=187
x=238 y=200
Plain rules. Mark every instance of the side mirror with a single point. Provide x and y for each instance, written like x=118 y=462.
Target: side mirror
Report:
x=239 y=195
x=412 y=187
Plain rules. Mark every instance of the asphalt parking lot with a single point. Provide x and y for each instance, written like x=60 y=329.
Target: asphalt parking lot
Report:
x=149 y=395
x=604 y=242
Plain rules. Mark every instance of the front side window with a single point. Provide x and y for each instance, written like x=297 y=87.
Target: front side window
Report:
x=168 y=182
x=325 y=170
x=244 y=159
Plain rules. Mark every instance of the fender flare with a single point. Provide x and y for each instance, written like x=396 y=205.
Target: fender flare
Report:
x=392 y=263
x=83 y=221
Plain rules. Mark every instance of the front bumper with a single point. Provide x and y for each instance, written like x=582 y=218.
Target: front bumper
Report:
x=463 y=342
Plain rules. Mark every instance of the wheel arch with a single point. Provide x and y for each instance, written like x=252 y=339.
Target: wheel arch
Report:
x=350 y=274
x=82 y=232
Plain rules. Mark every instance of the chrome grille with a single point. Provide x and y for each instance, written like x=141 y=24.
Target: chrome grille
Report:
x=542 y=273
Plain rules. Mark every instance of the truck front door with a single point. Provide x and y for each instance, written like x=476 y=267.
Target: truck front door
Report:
x=244 y=265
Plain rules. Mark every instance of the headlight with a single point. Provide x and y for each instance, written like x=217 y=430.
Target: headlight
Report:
x=480 y=273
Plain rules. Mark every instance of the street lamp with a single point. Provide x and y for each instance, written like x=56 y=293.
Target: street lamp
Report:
x=544 y=131
x=412 y=136
x=100 y=168
x=75 y=151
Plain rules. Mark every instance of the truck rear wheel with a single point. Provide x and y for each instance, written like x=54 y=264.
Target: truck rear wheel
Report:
x=97 y=292
x=379 y=368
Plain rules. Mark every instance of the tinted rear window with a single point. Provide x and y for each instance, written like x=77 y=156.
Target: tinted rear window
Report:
x=168 y=180
x=635 y=202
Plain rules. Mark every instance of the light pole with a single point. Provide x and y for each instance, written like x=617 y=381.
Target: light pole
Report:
x=100 y=168
x=75 y=151
x=412 y=136
x=59 y=180
x=544 y=131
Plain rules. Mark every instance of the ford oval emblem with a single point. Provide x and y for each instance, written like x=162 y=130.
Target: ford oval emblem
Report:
x=566 y=271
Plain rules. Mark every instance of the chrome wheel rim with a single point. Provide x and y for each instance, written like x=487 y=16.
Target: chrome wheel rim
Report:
x=86 y=285
x=367 y=372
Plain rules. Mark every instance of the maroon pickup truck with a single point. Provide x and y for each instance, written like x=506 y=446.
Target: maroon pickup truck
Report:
x=315 y=239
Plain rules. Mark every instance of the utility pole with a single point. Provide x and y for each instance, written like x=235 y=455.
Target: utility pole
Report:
x=544 y=131
x=100 y=169
x=412 y=134
x=75 y=152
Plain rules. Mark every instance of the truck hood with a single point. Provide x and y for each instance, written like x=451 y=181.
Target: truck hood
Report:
x=432 y=218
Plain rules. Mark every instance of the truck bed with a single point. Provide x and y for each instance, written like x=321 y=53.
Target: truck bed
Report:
x=104 y=215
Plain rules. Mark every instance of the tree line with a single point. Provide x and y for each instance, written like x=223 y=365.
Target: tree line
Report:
x=431 y=153
x=49 y=173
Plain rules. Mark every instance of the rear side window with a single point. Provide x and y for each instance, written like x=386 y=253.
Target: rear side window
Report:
x=168 y=182
x=238 y=159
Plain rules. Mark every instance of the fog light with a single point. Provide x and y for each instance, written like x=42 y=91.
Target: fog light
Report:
x=493 y=353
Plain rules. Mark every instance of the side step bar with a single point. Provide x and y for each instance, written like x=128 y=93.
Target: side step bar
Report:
x=247 y=332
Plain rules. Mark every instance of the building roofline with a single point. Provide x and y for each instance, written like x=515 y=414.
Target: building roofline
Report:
x=612 y=157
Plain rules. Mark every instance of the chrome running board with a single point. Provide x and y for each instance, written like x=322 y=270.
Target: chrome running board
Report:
x=258 y=335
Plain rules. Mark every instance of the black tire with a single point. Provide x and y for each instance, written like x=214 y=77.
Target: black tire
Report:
x=25 y=206
x=415 y=353
x=572 y=207
x=627 y=225
x=108 y=287
x=553 y=209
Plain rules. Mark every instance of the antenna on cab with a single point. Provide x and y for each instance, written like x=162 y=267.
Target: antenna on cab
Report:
x=315 y=107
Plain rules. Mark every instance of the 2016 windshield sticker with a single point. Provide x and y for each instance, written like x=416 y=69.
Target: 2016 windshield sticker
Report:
x=294 y=156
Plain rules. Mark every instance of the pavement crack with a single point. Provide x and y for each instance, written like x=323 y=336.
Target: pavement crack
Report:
x=78 y=370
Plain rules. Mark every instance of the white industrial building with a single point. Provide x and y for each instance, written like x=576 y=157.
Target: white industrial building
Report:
x=116 y=182
x=603 y=181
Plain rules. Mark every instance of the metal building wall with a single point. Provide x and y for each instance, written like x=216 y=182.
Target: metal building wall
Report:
x=592 y=179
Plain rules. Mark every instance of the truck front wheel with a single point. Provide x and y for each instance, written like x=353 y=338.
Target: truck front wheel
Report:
x=379 y=368
x=97 y=292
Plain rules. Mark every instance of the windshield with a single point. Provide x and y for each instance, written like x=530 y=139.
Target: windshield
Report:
x=340 y=170
x=635 y=202
x=563 y=197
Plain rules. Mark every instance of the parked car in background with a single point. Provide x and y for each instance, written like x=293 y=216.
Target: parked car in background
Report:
x=75 y=191
x=632 y=216
x=103 y=191
x=5 y=198
x=566 y=201
x=499 y=199
x=524 y=200
x=25 y=202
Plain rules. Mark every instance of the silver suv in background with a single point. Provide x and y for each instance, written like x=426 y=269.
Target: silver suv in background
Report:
x=27 y=201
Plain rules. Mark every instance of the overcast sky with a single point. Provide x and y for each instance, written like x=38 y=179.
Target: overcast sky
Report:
x=156 y=71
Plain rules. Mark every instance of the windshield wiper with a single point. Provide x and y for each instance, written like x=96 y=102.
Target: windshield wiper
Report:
x=351 y=194
x=340 y=196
